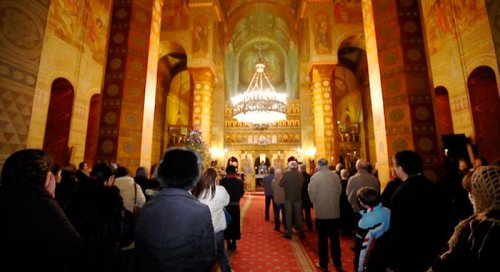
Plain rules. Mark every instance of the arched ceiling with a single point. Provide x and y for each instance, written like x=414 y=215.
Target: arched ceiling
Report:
x=177 y=77
x=255 y=21
x=249 y=26
x=237 y=10
x=168 y=47
x=261 y=28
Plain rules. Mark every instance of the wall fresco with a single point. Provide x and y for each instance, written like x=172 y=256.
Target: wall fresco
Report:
x=175 y=15
x=77 y=22
x=322 y=36
x=348 y=11
x=200 y=35
x=444 y=18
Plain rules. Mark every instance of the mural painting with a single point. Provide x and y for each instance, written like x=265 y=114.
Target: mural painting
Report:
x=73 y=21
x=445 y=15
x=322 y=40
x=348 y=11
x=200 y=37
x=175 y=15
x=65 y=19
x=95 y=38
x=271 y=57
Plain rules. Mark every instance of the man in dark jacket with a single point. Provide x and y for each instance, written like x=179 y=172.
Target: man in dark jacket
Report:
x=292 y=182
x=236 y=189
x=422 y=217
x=175 y=231
x=306 y=201
x=268 y=192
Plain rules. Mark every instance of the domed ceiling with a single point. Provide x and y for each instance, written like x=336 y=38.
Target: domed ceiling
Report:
x=261 y=29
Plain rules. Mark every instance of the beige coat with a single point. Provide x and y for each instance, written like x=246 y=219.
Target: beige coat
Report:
x=278 y=191
x=358 y=181
x=324 y=190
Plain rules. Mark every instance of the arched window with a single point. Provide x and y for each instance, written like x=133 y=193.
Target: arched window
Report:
x=485 y=107
x=92 y=129
x=59 y=120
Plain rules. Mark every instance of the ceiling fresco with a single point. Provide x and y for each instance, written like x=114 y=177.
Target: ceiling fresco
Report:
x=261 y=28
x=271 y=57
x=273 y=29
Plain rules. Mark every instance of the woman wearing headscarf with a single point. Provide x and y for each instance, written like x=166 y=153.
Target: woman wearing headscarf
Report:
x=475 y=244
x=35 y=233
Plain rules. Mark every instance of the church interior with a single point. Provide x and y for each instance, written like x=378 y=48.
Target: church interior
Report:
x=122 y=81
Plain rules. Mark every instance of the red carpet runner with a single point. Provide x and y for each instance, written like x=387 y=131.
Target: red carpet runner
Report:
x=261 y=248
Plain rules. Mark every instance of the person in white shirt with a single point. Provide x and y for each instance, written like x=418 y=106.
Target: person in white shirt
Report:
x=216 y=198
x=130 y=191
x=132 y=195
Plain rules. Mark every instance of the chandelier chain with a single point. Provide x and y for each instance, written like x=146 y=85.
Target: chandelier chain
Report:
x=260 y=105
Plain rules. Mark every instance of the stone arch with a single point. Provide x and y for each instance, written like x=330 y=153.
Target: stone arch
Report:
x=173 y=61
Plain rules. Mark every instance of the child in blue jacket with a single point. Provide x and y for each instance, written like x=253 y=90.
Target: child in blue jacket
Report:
x=372 y=230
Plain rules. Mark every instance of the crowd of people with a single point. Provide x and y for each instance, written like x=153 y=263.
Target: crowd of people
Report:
x=59 y=218
x=67 y=219
x=412 y=225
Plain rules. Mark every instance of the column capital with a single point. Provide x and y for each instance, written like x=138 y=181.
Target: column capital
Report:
x=321 y=71
x=204 y=74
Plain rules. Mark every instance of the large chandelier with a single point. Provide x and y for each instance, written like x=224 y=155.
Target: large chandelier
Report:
x=260 y=104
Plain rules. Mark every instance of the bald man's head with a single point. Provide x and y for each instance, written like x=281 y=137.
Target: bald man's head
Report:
x=362 y=165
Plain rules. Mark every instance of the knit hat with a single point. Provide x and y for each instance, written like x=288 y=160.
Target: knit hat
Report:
x=485 y=186
x=26 y=168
